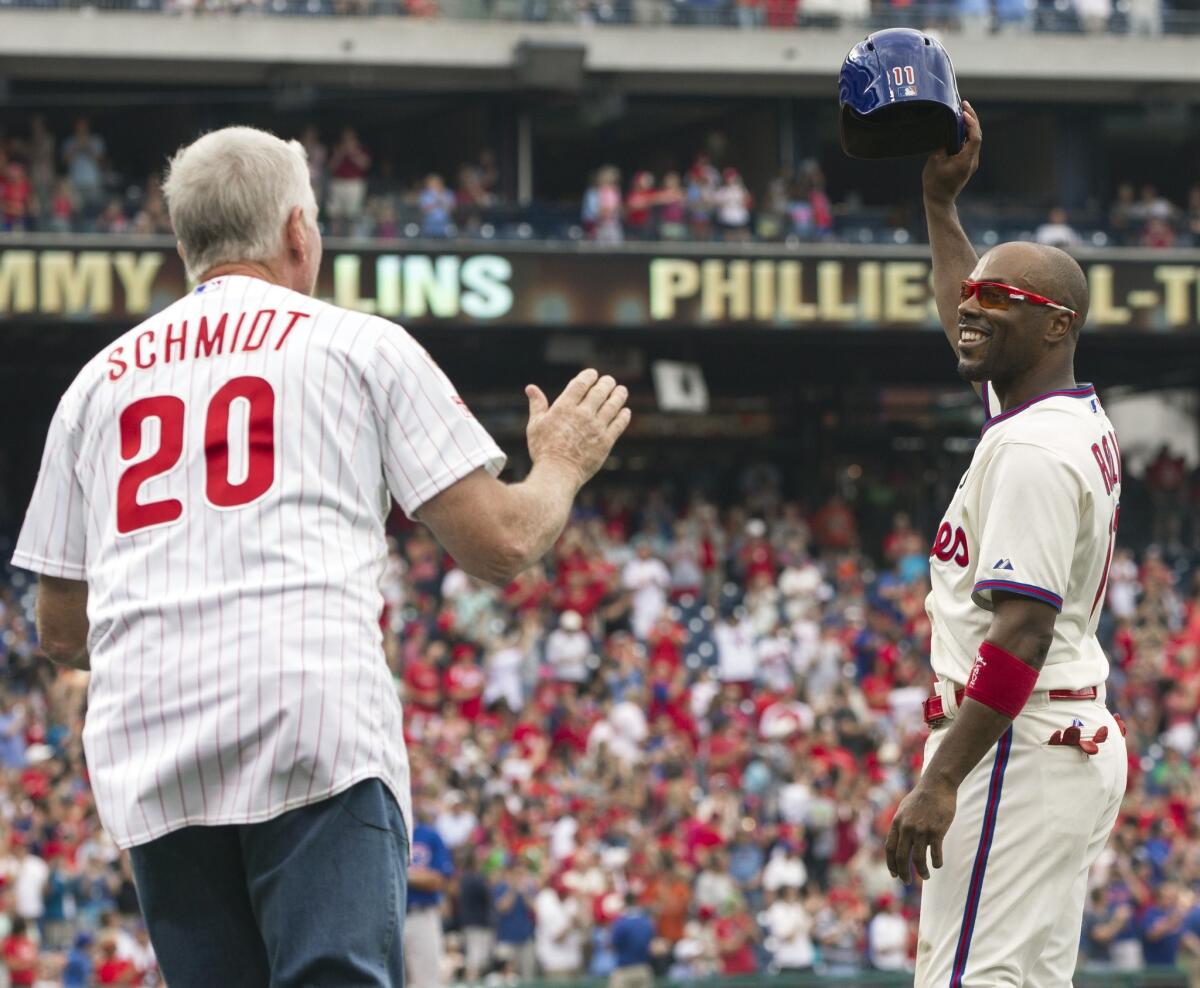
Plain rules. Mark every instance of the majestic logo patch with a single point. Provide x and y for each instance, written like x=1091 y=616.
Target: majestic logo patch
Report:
x=1003 y=564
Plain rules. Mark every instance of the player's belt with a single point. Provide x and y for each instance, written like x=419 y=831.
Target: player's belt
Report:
x=935 y=712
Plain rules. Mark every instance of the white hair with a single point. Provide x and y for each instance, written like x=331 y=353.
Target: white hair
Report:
x=229 y=195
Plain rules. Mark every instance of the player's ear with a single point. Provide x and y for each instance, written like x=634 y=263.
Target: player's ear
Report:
x=1060 y=327
x=296 y=233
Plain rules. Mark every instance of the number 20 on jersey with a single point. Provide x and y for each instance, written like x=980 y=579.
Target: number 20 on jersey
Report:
x=256 y=399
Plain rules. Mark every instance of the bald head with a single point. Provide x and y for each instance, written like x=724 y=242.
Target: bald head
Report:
x=1046 y=271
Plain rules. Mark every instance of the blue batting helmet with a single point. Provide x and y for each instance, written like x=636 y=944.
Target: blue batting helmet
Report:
x=898 y=97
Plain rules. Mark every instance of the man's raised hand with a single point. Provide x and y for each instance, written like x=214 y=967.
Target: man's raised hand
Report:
x=946 y=175
x=581 y=427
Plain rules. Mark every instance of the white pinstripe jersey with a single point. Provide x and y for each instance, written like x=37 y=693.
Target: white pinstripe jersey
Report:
x=220 y=477
x=1036 y=515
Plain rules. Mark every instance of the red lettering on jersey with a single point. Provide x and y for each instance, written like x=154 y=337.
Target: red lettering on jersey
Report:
x=137 y=350
x=1108 y=458
x=961 y=555
x=174 y=338
x=236 y=330
x=250 y=343
x=296 y=317
x=119 y=367
x=1119 y=471
x=216 y=340
x=951 y=545
x=1104 y=465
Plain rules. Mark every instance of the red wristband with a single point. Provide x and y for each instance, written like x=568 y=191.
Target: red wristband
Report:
x=1000 y=680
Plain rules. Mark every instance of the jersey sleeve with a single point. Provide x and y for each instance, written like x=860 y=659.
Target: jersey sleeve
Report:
x=430 y=438
x=1031 y=503
x=53 y=539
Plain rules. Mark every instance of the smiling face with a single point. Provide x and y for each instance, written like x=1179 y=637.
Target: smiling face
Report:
x=1000 y=345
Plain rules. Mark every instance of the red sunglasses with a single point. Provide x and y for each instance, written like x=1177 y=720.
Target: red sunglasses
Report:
x=997 y=295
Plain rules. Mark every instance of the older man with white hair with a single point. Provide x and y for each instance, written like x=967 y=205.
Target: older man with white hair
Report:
x=208 y=525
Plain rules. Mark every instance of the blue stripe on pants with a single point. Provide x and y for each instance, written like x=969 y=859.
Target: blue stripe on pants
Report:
x=975 y=888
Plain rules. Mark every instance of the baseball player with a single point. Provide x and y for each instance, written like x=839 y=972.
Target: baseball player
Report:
x=1025 y=767
x=208 y=525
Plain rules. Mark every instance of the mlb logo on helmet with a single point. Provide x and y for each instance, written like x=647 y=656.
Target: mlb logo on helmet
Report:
x=898 y=97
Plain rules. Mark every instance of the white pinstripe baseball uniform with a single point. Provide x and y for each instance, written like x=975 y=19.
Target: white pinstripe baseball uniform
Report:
x=1036 y=515
x=220 y=477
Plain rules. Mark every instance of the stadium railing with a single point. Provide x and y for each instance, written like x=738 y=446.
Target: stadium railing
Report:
x=974 y=16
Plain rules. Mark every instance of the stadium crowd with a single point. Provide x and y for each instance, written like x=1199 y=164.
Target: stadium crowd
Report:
x=1143 y=17
x=675 y=747
x=68 y=184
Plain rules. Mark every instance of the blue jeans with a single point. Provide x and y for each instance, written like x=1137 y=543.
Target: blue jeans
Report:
x=313 y=898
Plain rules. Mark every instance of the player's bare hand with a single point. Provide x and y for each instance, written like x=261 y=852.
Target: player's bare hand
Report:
x=920 y=823
x=582 y=425
x=946 y=175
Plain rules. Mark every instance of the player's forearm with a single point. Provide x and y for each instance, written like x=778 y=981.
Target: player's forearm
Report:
x=1024 y=632
x=970 y=736
x=953 y=260
x=537 y=509
x=62 y=621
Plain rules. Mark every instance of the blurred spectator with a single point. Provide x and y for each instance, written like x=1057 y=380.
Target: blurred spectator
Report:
x=1166 y=481
x=476 y=190
x=1145 y=17
x=428 y=873
x=632 y=935
x=513 y=899
x=839 y=931
x=888 y=937
x=436 y=203
x=702 y=182
x=30 y=877
x=602 y=207
x=834 y=525
x=348 y=167
x=568 y=648
x=1152 y=206
x=789 y=932
x=1193 y=214
x=1123 y=216
x=736 y=935
x=648 y=579
x=1158 y=233
x=456 y=823
x=560 y=925
x=318 y=160
x=732 y=201
x=639 y=207
x=1162 y=924
x=1093 y=14
x=83 y=154
x=112 y=969
x=1057 y=231
x=474 y=905
x=20 y=954
x=672 y=208
x=63 y=206
x=78 y=969
x=40 y=155
x=112 y=218
x=18 y=206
